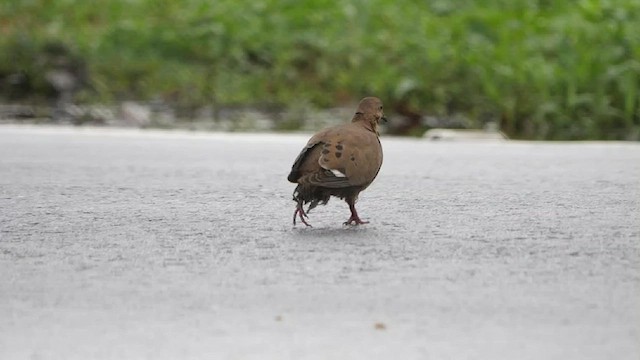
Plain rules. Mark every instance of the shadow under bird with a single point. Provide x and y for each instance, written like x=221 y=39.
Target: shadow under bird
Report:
x=339 y=161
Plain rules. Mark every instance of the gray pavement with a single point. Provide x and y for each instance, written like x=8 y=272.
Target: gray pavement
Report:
x=125 y=244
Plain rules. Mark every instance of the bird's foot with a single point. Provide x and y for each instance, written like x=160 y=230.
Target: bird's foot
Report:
x=300 y=213
x=355 y=220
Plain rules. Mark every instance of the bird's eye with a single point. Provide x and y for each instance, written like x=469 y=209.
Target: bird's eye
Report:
x=380 y=108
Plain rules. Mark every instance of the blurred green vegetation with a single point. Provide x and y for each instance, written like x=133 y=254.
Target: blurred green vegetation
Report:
x=542 y=69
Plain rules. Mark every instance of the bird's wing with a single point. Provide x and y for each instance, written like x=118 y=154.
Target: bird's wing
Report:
x=305 y=162
x=341 y=156
x=299 y=162
x=352 y=153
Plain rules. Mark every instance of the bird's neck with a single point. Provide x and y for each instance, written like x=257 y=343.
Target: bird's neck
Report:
x=369 y=124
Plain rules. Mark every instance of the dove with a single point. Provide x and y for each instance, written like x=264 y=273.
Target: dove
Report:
x=339 y=161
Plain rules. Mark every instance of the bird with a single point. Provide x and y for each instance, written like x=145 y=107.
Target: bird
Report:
x=339 y=161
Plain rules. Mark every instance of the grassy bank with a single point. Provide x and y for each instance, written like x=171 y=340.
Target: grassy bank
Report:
x=542 y=69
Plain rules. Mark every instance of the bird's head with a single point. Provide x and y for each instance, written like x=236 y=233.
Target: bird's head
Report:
x=370 y=112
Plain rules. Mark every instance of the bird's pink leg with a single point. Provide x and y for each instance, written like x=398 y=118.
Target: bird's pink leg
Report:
x=300 y=212
x=354 y=219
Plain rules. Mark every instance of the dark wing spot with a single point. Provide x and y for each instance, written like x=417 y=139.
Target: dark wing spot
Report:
x=353 y=158
x=325 y=159
x=339 y=147
x=338 y=154
x=325 y=151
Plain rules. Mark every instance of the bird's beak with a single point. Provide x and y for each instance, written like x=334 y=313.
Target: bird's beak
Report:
x=384 y=119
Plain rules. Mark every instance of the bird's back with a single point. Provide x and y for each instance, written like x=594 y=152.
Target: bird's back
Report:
x=350 y=152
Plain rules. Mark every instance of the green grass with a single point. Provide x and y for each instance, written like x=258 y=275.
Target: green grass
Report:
x=542 y=69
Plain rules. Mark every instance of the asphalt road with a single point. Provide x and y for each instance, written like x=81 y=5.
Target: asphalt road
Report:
x=124 y=244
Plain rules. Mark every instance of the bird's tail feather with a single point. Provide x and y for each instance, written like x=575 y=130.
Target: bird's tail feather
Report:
x=309 y=195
